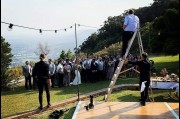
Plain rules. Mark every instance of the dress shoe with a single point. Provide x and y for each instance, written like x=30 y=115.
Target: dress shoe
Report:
x=49 y=105
x=40 y=107
x=143 y=103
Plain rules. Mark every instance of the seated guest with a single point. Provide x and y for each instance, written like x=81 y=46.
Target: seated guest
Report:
x=164 y=72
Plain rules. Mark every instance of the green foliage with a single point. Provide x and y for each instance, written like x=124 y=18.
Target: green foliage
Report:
x=113 y=49
x=62 y=55
x=159 y=30
x=167 y=25
x=6 y=58
x=15 y=72
x=69 y=54
x=65 y=55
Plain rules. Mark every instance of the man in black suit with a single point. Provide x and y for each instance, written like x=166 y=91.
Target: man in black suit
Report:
x=41 y=71
x=145 y=73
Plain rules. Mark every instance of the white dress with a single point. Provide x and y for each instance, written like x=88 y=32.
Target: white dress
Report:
x=77 y=79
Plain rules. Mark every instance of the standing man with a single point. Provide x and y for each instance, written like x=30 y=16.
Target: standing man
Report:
x=52 y=69
x=27 y=72
x=131 y=24
x=60 y=72
x=145 y=73
x=41 y=71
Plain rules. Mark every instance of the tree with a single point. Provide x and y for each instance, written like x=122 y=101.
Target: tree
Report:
x=69 y=54
x=6 y=58
x=62 y=55
x=42 y=49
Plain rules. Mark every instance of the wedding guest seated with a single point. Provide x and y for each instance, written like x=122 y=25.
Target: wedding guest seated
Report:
x=164 y=72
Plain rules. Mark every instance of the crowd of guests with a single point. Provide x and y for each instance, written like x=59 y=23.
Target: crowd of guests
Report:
x=91 y=69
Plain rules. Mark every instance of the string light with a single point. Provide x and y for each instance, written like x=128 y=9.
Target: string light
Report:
x=41 y=30
x=10 y=26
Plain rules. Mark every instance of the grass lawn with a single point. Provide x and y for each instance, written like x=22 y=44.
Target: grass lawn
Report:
x=21 y=100
x=171 y=63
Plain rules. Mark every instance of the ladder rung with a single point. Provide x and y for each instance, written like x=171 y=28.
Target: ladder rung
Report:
x=109 y=89
x=111 y=84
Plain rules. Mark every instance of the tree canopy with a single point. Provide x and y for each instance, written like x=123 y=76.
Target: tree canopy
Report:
x=159 y=27
x=6 y=58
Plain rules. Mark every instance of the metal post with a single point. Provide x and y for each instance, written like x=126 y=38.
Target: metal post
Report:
x=76 y=61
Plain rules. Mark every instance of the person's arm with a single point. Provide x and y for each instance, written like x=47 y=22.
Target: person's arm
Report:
x=134 y=62
x=124 y=26
x=125 y=23
x=54 y=68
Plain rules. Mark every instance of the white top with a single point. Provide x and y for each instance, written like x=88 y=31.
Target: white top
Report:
x=132 y=22
x=52 y=68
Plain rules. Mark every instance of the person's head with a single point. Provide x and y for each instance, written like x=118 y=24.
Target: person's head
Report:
x=131 y=11
x=144 y=55
x=67 y=60
x=42 y=57
x=26 y=62
x=50 y=60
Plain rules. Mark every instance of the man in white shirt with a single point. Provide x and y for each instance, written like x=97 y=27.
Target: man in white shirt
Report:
x=100 y=69
x=52 y=69
x=60 y=71
x=131 y=24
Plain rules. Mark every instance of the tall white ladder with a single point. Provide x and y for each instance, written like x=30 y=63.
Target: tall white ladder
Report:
x=120 y=65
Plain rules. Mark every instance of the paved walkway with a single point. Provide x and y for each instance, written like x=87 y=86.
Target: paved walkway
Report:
x=68 y=101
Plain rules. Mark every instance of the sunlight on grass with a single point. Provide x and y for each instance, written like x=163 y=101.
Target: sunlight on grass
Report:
x=165 y=59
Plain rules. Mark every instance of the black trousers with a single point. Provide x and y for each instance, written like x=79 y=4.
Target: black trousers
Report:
x=127 y=35
x=28 y=80
x=34 y=82
x=60 y=79
x=144 y=94
x=43 y=84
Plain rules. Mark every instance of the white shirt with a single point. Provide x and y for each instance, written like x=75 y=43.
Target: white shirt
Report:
x=52 y=68
x=60 y=67
x=132 y=22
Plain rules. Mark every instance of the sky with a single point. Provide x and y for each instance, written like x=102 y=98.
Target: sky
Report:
x=59 y=14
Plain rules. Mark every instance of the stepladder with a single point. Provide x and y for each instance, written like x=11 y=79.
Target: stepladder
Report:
x=122 y=62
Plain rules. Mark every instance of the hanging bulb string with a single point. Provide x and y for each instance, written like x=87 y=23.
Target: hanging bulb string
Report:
x=64 y=29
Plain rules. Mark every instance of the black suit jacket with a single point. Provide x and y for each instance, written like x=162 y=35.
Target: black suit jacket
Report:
x=41 y=71
x=144 y=68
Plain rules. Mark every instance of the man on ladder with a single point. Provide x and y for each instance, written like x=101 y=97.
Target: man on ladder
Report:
x=131 y=24
x=131 y=29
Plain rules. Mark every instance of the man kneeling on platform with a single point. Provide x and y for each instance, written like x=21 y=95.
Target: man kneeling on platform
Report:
x=145 y=72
